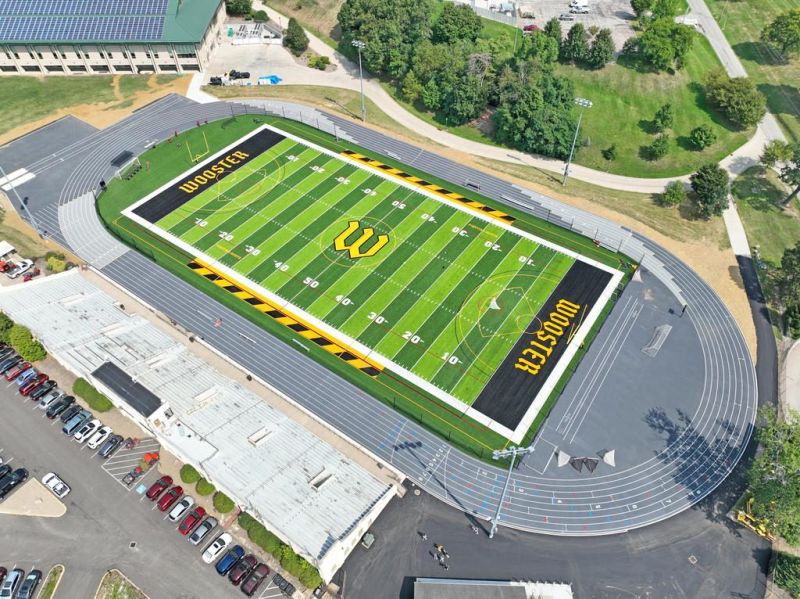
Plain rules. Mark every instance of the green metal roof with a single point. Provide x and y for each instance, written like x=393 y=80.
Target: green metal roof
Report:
x=188 y=20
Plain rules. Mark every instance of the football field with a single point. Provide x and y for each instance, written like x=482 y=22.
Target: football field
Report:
x=401 y=274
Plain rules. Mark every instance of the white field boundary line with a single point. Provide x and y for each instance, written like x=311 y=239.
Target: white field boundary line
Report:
x=515 y=435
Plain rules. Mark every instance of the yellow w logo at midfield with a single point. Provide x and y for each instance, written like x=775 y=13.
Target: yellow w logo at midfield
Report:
x=340 y=243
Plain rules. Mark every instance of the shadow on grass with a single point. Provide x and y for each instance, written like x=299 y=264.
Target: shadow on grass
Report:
x=701 y=101
x=781 y=99
x=760 y=193
x=759 y=52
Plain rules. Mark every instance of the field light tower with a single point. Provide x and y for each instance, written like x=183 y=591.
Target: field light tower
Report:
x=513 y=452
x=583 y=103
x=359 y=45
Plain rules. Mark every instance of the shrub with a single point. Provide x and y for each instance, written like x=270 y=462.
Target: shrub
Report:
x=204 y=487
x=610 y=153
x=55 y=264
x=5 y=327
x=260 y=16
x=21 y=339
x=295 y=39
x=96 y=400
x=792 y=318
x=319 y=62
x=246 y=521
x=664 y=118
x=189 y=474
x=674 y=194
x=659 y=148
x=787 y=573
x=701 y=137
x=222 y=503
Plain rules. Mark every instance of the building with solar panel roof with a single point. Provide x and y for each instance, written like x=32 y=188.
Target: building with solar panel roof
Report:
x=108 y=36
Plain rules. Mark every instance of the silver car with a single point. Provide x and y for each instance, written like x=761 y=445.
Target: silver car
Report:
x=180 y=508
x=54 y=394
x=200 y=533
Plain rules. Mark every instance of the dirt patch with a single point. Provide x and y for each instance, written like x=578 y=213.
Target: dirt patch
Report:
x=103 y=114
x=22 y=236
x=115 y=585
x=33 y=499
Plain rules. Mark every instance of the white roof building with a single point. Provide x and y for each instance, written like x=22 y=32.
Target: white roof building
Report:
x=301 y=488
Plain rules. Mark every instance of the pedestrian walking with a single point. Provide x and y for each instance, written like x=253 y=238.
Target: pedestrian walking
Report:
x=446 y=567
x=424 y=536
x=474 y=528
x=439 y=548
x=434 y=555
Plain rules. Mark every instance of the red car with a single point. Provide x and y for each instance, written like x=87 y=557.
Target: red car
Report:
x=157 y=488
x=32 y=384
x=17 y=370
x=192 y=520
x=254 y=580
x=242 y=569
x=530 y=28
x=169 y=498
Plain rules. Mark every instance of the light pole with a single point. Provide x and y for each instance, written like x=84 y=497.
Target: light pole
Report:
x=583 y=103
x=496 y=455
x=359 y=45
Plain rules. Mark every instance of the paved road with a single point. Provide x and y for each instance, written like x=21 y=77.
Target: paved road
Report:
x=102 y=519
x=687 y=462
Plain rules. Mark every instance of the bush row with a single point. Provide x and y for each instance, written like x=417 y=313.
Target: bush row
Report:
x=290 y=561
x=21 y=339
x=96 y=400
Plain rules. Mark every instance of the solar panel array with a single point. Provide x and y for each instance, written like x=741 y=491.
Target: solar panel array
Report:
x=82 y=7
x=21 y=29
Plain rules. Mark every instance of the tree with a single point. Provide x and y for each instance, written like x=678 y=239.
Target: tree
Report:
x=238 y=7
x=431 y=96
x=295 y=39
x=674 y=194
x=784 y=32
x=540 y=47
x=665 y=8
x=774 y=152
x=701 y=137
x=788 y=277
x=736 y=97
x=576 y=45
x=458 y=22
x=412 y=88
x=552 y=29
x=663 y=45
x=773 y=475
x=659 y=148
x=790 y=173
x=710 y=185
x=391 y=31
x=664 y=118
x=602 y=50
x=610 y=153
x=641 y=7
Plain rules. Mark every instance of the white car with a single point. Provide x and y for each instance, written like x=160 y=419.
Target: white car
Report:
x=87 y=430
x=218 y=546
x=49 y=398
x=181 y=508
x=22 y=267
x=59 y=488
x=97 y=439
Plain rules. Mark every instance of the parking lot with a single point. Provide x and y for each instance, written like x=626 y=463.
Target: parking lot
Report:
x=106 y=524
x=616 y=15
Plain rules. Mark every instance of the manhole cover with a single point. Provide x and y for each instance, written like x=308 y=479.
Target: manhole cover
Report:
x=132 y=544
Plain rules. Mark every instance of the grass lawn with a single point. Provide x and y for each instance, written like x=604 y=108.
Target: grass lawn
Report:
x=51 y=582
x=758 y=194
x=742 y=22
x=116 y=586
x=318 y=16
x=393 y=390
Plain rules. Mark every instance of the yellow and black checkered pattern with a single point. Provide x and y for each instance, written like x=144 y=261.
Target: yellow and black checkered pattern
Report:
x=450 y=195
x=285 y=318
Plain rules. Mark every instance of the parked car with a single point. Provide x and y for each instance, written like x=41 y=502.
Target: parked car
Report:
x=201 y=532
x=11 y=583
x=254 y=579
x=86 y=430
x=111 y=445
x=234 y=74
x=229 y=560
x=21 y=268
x=191 y=520
x=41 y=390
x=53 y=482
x=242 y=569
x=530 y=28
x=9 y=362
x=218 y=546
x=26 y=376
x=76 y=422
x=28 y=588
x=565 y=16
x=180 y=509
x=579 y=10
x=4 y=469
x=215 y=81
x=99 y=436
x=6 y=351
x=157 y=488
x=11 y=480
x=50 y=398
x=3 y=573
x=16 y=370
x=63 y=403
x=169 y=498
x=32 y=383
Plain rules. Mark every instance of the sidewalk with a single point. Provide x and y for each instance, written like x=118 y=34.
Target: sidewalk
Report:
x=791 y=374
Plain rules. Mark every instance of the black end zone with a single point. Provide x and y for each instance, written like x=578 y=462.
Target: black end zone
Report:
x=521 y=376
x=205 y=175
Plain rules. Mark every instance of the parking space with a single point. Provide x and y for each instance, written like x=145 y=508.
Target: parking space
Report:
x=616 y=15
x=125 y=460
x=270 y=592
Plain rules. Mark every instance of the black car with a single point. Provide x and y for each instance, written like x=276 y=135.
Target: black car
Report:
x=4 y=469
x=70 y=412
x=28 y=588
x=234 y=74
x=6 y=352
x=41 y=390
x=59 y=406
x=110 y=446
x=215 y=81
x=9 y=363
x=9 y=481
